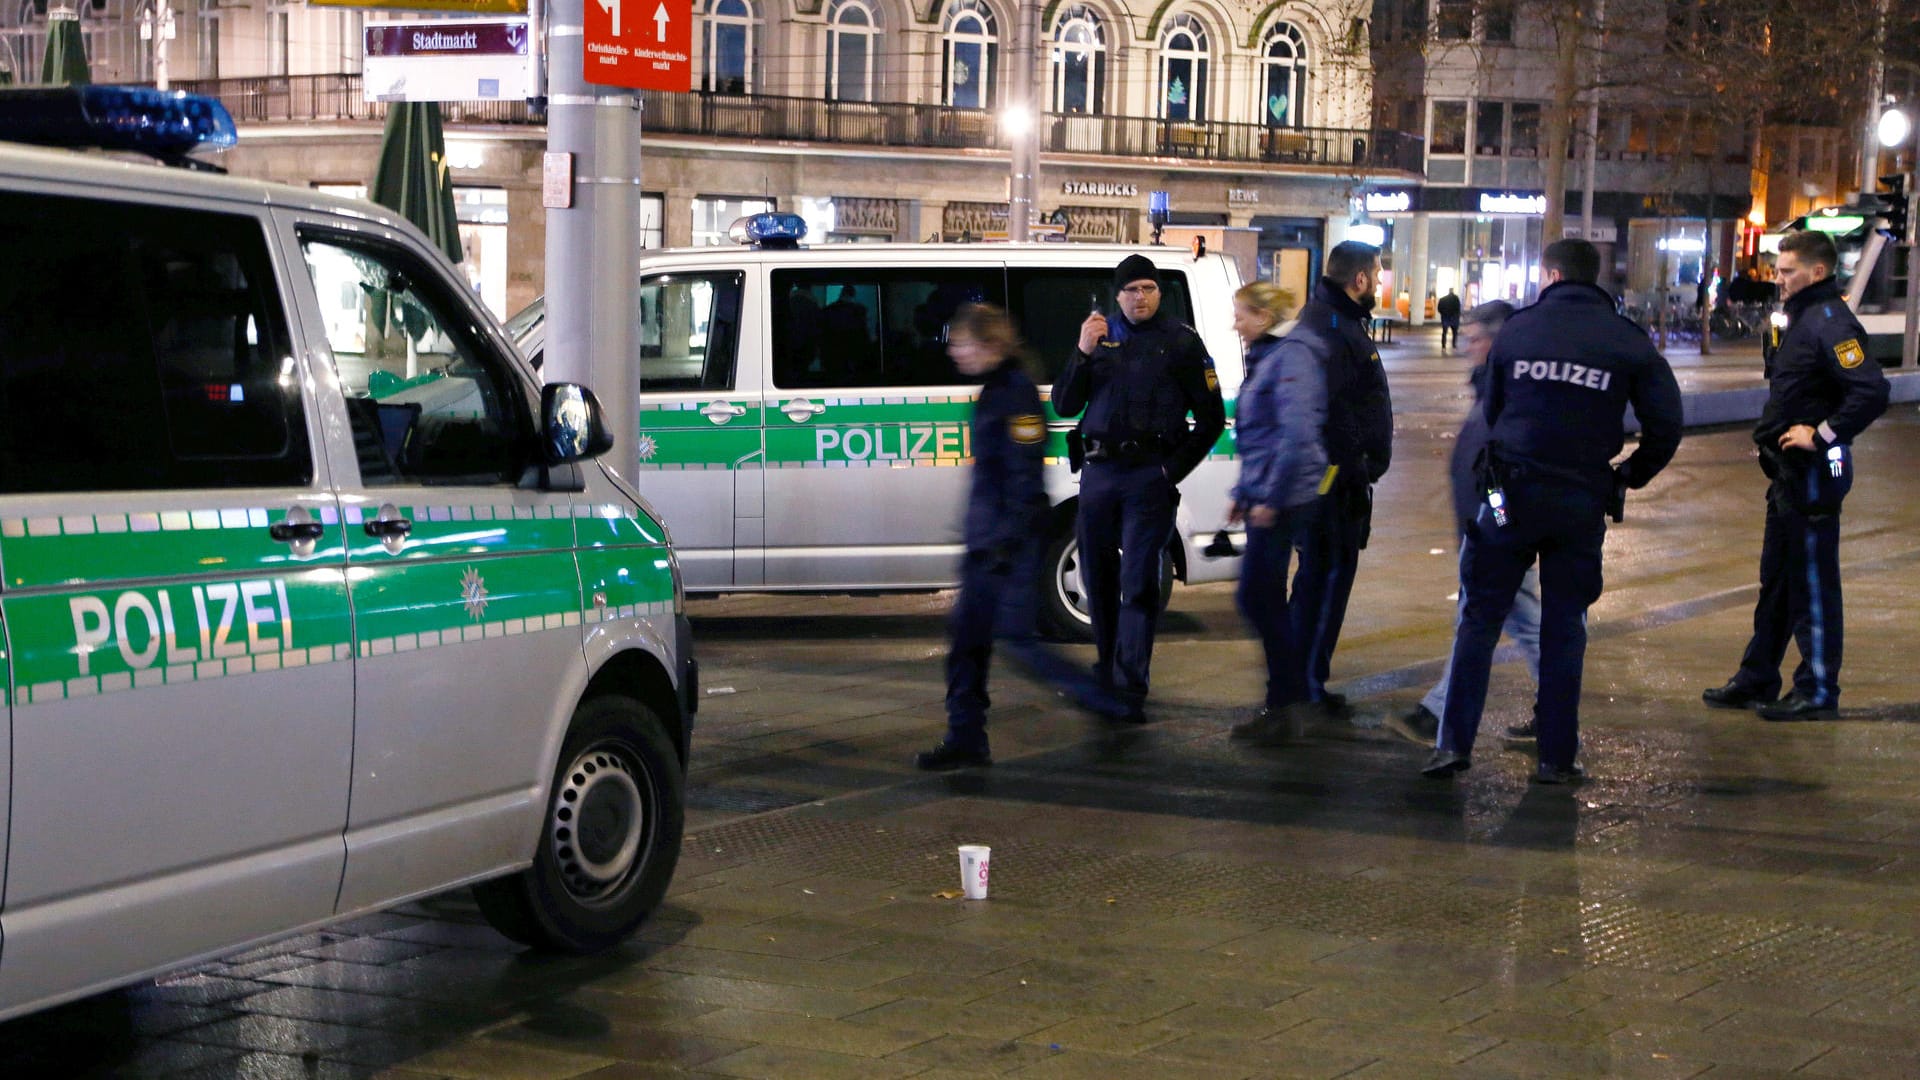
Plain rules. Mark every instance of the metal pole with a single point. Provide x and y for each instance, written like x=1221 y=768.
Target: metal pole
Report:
x=162 y=33
x=1025 y=133
x=1910 y=340
x=1876 y=89
x=1593 y=141
x=593 y=246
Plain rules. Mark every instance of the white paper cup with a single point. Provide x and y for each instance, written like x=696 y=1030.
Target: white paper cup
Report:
x=973 y=870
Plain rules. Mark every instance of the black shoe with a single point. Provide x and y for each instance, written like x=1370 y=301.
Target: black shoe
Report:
x=1272 y=727
x=1523 y=736
x=1555 y=774
x=1734 y=696
x=1796 y=706
x=948 y=756
x=1419 y=726
x=1444 y=763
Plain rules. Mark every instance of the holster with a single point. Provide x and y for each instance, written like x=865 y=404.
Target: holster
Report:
x=1076 y=450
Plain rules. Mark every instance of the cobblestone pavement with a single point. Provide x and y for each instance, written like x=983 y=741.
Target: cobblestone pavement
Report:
x=1726 y=898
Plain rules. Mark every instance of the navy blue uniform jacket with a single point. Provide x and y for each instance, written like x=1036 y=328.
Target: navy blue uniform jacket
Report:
x=1359 y=408
x=1141 y=382
x=1559 y=379
x=1821 y=375
x=1009 y=447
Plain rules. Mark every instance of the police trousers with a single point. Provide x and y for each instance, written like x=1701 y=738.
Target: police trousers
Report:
x=1262 y=599
x=997 y=603
x=1799 y=600
x=1562 y=525
x=1125 y=520
x=1329 y=559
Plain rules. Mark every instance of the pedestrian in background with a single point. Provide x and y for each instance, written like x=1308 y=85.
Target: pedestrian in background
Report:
x=1005 y=508
x=1822 y=392
x=1422 y=725
x=1448 y=308
x=1359 y=441
x=1279 y=427
x=1559 y=380
x=1133 y=380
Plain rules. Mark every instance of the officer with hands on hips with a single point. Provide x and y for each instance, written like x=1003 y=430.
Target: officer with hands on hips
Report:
x=1359 y=441
x=1822 y=392
x=1559 y=379
x=1135 y=378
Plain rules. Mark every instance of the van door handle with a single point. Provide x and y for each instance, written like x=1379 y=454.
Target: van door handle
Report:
x=288 y=532
x=385 y=528
x=722 y=411
x=800 y=410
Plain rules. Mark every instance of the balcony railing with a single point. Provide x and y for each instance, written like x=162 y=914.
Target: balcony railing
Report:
x=767 y=118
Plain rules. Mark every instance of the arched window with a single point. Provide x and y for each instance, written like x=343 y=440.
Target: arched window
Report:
x=853 y=36
x=1283 y=78
x=969 y=55
x=1079 y=61
x=728 y=35
x=1183 y=69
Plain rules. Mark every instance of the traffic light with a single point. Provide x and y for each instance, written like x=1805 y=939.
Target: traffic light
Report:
x=1895 y=208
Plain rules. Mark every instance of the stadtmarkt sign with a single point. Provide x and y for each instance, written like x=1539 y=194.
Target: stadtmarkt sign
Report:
x=640 y=44
x=460 y=7
x=448 y=60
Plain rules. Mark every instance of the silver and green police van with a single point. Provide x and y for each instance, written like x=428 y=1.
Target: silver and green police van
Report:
x=802 y=429
x=313 y=598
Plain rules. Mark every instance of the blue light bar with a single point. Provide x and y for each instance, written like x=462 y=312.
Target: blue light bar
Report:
x=769 y=230
x=163 y=123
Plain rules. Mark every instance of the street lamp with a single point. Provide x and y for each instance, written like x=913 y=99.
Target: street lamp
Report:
x=1016 y=122
x=1894 y=127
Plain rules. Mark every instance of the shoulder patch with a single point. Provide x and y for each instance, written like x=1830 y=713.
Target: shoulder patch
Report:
x=1213 y=377
x=1376 y=356
x=1026 y=428
x=1849 y=353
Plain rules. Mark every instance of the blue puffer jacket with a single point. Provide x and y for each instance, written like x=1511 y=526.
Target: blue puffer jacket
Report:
x=1280 y=424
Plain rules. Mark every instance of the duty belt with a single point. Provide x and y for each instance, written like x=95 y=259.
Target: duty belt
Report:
x=1149 y=450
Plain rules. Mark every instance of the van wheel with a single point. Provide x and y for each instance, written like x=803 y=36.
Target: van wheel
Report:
x=1063 y=601
x=610 y=839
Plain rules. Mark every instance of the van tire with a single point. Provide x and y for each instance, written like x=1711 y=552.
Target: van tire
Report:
x=1063 y=615
x=618 y=773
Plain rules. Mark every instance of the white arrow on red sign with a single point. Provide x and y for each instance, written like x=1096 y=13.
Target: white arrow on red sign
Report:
x=660 y=20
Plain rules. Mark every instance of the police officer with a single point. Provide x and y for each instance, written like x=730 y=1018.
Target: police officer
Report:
x=1003 y=538
x=1136 y=378
x=1822 y=392
x=1558 y=382
x=1359 y=441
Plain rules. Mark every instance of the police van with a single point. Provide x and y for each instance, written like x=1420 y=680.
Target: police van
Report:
x=313 y=598
x=802 y=429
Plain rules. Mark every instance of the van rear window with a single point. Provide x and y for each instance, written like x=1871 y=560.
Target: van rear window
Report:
x=836 y=329
x=1050 y=304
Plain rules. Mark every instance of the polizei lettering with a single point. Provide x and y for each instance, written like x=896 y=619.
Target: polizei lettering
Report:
x=183 y=625
x=907 y=442
x=1561 y=371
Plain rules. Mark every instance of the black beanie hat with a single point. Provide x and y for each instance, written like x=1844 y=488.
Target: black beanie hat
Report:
x=1134 y=268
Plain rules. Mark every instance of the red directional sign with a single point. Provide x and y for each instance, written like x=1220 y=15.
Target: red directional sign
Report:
x=640 y=44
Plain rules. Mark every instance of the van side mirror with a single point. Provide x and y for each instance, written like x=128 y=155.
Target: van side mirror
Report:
x=572 y=427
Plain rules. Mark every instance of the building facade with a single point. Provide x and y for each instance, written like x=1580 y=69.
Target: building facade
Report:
x=876 y=119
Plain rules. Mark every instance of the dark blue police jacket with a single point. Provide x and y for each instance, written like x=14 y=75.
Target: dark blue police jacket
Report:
x=1821 y=375
x=1466 y=452
x=1009 y=447
x=1359 y=408
x=1559 y=379
x=1140 y=383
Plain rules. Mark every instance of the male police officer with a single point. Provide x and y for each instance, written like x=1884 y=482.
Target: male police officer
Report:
x=1136 y=378
x=1822 y=392
x=1359 y=449
x=1558 y=382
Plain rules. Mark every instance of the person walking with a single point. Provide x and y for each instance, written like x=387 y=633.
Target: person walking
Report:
x=998 y=575
x=1281 y=414
x=1822 y=392
x=1559 y=379
x=1133 y=380
x=1359 y=440
x=1448 y=308
x=1422 y=724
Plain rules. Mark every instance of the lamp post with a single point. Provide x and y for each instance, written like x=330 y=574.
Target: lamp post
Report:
x=156 y=27
x=1893 y=130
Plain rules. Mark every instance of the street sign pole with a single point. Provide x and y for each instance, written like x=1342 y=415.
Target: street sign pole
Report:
x=1910 y=340
x=593 y=232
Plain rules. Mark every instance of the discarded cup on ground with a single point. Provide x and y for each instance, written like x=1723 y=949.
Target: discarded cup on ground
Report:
x=973 y=870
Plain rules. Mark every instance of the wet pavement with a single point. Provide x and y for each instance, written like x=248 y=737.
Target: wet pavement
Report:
x=1725 y=898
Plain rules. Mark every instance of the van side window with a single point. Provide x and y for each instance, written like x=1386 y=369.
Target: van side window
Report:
x=1050 y=304
x=142 y=348
x=870 y=328
x=429 y=401
x=689 y=330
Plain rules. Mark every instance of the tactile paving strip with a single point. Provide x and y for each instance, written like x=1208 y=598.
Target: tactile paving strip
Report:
x=1610 y=932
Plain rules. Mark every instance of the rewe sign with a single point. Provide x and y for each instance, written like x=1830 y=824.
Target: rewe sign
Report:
x=640 y=44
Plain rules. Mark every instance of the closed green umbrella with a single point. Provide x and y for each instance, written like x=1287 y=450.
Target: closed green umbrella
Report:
x=412 y=179
x=66 y=60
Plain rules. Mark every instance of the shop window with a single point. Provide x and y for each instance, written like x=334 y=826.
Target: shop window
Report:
x=1449 y=128
x=853 y=36
x=185 y=380
x=1183 y=70
x=729 y=40
x=653 y=212
x=1283 y=67
x=969 y=55
x=713 y=215
x=856 y=328
x=1489 y=128
x=1523 y=133
x=1079 y=61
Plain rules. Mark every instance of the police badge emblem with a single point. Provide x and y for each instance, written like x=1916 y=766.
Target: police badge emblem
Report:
x=1026 y=429
x=1849 y=353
